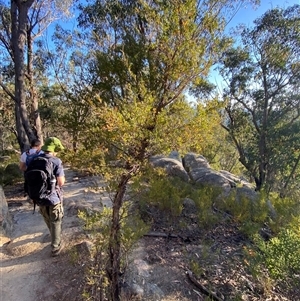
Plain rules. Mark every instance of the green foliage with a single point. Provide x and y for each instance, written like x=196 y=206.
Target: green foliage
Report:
x=166 y=196
x=160 y=190
x=9 y=170
x=98 y=224
x=262 y=99
x=91 y=161
x=280 y=255
x=204 y=198
x=133 y=228
x=287 y=212
x=159 y=51
x=167 y=193
x=238 y=209
x=250 y=214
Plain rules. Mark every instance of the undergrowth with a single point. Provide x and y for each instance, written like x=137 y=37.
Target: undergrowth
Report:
x=272 y=261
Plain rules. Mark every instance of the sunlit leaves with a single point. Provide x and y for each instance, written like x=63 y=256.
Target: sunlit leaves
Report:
x=263 y=97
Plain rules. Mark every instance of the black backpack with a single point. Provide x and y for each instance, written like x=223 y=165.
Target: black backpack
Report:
x=40 y=180
x=30 y=157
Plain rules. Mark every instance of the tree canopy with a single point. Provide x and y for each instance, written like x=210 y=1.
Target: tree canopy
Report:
x=262 y=97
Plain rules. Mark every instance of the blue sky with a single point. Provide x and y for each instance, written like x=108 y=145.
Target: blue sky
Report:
x=248 y=14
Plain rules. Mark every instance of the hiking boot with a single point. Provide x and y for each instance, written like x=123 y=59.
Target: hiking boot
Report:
x=56 y=251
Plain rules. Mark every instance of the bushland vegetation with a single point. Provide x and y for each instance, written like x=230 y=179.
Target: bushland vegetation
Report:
x=133 y=82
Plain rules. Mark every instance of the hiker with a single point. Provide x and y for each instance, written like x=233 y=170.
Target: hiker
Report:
x=50 y=202
x=35 y=148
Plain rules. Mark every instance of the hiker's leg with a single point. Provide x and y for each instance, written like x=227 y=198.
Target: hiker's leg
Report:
x=44 y=211
x=25 y=186
x=56 y=215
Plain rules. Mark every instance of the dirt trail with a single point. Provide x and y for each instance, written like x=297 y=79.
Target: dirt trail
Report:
x=158 y=264
x=28 y=253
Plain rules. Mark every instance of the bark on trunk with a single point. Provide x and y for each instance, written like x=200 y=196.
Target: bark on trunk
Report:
x=35 y=115
x=19 y=12
x=115 y=239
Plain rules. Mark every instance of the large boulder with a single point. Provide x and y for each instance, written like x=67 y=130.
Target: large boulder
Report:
x=5 y=219
x=173 y=166
x=200 y=172
x=239 y=181
x=195 y=168
x=210 y=177
x=193 y=161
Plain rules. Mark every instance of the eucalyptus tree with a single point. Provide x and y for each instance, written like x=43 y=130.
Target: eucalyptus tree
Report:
x=21 y=24
x=70 y=93
x=263 y=100
x=148 y=54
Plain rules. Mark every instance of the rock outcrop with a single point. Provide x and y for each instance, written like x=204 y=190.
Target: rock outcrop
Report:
x=196 y=169
x=5 y=219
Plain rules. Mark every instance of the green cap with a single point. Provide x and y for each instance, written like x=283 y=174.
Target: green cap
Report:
x=52 y=144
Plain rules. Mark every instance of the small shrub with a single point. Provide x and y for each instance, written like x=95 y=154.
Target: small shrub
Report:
x=158 y=189
x=204 y=198
x=9 y=168
x=166 y=195
x=249 y=214
x=286 y=209
x=280 y=255
x=99 y=225
x=10 y=174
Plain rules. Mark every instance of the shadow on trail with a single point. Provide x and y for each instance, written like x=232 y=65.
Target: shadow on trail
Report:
x=13 y=260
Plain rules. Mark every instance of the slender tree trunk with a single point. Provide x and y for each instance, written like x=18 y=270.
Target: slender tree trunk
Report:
x=75 y=140
x=292 y=173
x=19 y=12
x=35 y=115
x=115 y=239
x=263 y=165
x=21 y=134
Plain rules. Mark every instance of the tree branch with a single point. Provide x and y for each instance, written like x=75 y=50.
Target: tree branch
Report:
x=204 y=290
x=7 y=91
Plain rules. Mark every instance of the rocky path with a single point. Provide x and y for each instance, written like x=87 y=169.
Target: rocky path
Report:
x=158 y=264
x=27 y=254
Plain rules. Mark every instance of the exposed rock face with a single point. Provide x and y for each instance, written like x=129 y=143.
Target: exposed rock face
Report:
x=172 y=166
x=193 y=161
x=195 y=168
x=5 y=219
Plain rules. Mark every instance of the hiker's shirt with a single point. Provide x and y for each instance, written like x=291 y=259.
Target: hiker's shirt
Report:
x=31 y=151
x=58 y=171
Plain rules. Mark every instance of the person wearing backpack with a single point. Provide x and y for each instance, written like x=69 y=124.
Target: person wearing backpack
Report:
x=45 y=177
x=35 y=149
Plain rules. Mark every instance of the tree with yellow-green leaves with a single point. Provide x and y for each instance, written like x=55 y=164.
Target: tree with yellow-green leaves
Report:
x=148 y=54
